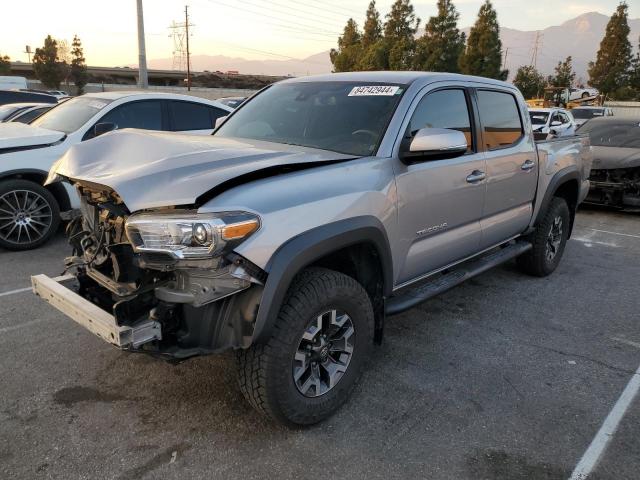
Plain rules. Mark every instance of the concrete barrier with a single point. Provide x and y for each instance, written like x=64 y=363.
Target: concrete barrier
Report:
x=625 y=109
x=209 y=93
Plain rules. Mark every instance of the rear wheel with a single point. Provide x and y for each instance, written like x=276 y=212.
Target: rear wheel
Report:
x=585 y=95
x=29 y=215
x=316 y=353
x=549 y=240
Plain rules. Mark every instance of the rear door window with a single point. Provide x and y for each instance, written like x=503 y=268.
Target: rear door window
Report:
x=146 y=114
x=193 y=116
x=500 y=118
x=444 y=109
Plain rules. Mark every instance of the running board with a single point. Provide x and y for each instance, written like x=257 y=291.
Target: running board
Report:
x=441 y=282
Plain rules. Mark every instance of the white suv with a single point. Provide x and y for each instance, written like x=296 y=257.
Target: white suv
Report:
x=29 y=212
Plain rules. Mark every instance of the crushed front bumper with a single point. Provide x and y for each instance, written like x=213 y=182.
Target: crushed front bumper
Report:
x=92 y=317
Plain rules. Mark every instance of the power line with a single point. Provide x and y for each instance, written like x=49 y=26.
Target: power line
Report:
x=351 y=11
x=307 y=15
x=286 y=26
x=262 y=14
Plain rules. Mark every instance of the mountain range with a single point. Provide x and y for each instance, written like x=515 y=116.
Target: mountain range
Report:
x=579 y=37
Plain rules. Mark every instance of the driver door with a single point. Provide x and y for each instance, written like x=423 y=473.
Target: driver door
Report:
x=440 y=202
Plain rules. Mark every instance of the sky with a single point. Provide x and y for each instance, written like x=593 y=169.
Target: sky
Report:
x=252 y=29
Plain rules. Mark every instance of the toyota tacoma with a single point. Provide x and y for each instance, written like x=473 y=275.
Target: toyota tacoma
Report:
x=318 y=208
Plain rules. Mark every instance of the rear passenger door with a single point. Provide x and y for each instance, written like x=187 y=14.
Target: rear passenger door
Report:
x=192 y=117
x=512 y=170
x=440 y=201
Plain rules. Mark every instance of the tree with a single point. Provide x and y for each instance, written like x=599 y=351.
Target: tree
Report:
x=399 y=35
x=610 y=71
x=439 y=49
x=564 y=74
x=372 y=26
x=46 y=65
x=5 y=65
x=483 y=53
x=78 y=66
x=529 y=81
x=347 y=56
x=634 y=78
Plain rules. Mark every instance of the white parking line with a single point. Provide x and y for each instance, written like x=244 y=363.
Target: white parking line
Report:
x=22 y=325
x=590 y=459
x=626 y=342
x=615 y=233
x=26 y=289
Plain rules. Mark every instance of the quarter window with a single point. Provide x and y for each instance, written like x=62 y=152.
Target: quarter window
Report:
x=500 y=119
x=443 y=109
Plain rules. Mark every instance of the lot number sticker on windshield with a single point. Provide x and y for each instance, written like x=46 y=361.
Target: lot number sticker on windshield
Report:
x=374 y=90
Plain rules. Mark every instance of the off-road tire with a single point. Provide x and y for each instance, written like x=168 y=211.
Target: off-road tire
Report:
x=35 y=191
x=265 y=371
x=536 y=261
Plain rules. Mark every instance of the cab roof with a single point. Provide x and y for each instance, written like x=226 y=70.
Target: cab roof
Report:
x=400 y=77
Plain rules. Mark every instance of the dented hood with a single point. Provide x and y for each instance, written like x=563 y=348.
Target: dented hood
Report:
x=159 y=169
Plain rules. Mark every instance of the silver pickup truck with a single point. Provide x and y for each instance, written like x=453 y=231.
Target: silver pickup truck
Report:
x=318 y=208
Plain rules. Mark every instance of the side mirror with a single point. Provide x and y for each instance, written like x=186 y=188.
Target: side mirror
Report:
x=104 y=127
x=220 y=121
x=556 y=123
x=435 y=143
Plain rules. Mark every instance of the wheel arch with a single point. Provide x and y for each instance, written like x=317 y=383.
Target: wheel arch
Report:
x=39 y=176
x=564 y=184
x=357 y=247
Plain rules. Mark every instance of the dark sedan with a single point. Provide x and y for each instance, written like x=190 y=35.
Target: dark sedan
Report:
x=615 y=173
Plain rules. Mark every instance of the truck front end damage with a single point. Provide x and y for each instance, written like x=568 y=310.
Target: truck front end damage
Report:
x=167 y=280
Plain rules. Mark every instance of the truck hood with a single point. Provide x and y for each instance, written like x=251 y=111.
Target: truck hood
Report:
x=16 y=135
x=159 y=169
x=608 y=158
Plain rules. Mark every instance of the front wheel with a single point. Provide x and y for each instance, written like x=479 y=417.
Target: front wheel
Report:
x=548 y=239
x=29 y=215
x=317 y=351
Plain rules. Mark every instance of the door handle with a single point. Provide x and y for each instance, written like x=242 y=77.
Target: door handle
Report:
x=528 y=165
x=476 y=176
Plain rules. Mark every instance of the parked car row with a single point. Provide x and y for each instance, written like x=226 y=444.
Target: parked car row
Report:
x=30 y=213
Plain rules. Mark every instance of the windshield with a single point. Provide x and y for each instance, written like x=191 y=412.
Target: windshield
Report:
x=626 y=135
x=539 y=118
x=586 y=113
x=344 y=117
x=69 y=116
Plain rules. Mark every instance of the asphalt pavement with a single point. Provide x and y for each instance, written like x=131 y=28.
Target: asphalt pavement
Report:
x=505 y=377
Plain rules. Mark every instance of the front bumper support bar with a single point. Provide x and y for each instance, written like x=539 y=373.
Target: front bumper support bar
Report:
x=93 y=318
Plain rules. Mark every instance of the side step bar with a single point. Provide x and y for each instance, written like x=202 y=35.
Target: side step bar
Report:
x=441 y=282
x=93 y=318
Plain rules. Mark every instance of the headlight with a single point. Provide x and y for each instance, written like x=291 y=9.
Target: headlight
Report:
x=189 y=234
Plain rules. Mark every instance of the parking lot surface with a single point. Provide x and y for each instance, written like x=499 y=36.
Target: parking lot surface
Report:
x=504 y=377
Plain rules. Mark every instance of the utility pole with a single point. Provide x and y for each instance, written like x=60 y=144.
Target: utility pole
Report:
x=143 y=80
x=534 y=53
x=186 y=25
x=504 y=62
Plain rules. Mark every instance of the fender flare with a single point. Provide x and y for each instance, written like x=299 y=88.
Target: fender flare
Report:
x=310 y=246
x=559 y=178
